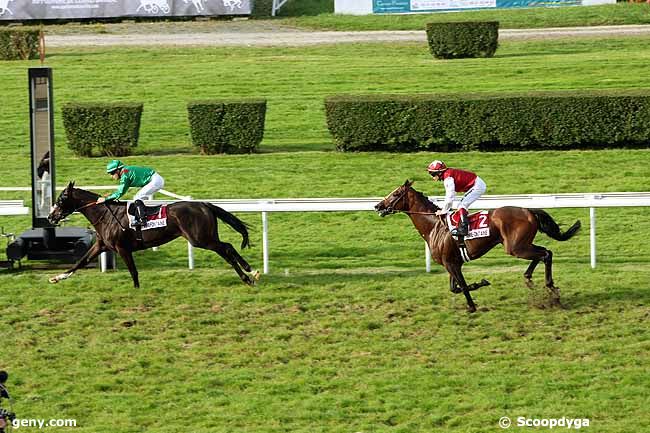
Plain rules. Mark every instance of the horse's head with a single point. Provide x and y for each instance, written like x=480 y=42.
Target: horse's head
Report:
x=395 y=201
x=64 y=206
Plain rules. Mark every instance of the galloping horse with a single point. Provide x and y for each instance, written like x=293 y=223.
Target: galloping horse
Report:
x=195 y=221
x=514 y=227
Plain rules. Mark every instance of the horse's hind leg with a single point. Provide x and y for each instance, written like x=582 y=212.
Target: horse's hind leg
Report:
x=231 y=251
x=225 y=250
x=538 y=254
x=528 y=275
x=530 y=252
x=242 y=262
x=548 y=270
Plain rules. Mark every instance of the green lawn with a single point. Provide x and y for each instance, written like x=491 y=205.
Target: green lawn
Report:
x=318 y=15
x=347 y=333
x=295 y=81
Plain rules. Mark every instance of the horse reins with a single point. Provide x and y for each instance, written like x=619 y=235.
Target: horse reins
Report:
x=93 y=203
x=409 y=212
x=116 y=218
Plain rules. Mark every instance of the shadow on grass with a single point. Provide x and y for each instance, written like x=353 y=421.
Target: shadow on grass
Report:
x=567 y=52
x=634 y=296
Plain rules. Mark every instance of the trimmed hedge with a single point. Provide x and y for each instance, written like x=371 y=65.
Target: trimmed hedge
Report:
x=111 y=128
x=19 y=43
x=549 y=120
x=456 y=40
x=227 y=126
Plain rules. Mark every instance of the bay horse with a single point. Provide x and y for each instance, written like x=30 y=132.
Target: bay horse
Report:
x=514 y=227
x=195 y=221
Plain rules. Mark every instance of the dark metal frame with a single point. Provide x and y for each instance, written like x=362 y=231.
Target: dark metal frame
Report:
x=34 y=75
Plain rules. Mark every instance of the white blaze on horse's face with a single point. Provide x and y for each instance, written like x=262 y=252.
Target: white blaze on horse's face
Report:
x=54 y=212
x=385 y=207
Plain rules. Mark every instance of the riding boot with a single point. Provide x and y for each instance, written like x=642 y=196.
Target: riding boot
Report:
x=140 y=216
x=140 y=219
x=463 y=225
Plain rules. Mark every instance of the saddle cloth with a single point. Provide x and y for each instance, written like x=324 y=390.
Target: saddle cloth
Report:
x=154 y=220
x=479 y=224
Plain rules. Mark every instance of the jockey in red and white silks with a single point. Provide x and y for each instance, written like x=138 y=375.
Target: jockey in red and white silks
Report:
x=456 y=180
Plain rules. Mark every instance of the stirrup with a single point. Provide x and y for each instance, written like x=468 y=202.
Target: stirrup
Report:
x=458 y=233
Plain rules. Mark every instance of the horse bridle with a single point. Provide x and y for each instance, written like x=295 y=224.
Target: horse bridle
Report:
x=391 y=210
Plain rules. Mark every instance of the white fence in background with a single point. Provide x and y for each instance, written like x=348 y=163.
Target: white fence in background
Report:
x=542 y=201
x=13 y=207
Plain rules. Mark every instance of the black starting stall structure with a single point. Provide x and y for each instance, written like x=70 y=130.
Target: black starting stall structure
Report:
x=45 y=241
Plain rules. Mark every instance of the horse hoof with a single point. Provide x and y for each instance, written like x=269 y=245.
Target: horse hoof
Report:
x=256 y=275
x=471 y=309
x=554 y=291
x=485 y=282
x=53 y=280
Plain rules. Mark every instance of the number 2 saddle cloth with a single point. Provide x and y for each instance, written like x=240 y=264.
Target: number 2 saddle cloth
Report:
x=479 y=224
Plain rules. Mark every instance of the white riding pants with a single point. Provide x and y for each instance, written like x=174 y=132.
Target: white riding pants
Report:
x=473 y=194
x=155 y=184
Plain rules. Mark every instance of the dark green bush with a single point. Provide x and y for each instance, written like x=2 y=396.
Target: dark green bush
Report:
x=19 y=43
x=110 y=128
x=552 y=120
x=262 y=8
x=463 y=39
x=227 y=126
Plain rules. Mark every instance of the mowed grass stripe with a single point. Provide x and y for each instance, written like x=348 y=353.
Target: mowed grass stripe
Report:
x=295 y=81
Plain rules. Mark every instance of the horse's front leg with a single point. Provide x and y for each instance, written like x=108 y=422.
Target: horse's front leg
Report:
x=456 y=273
x=127 y=256
x=94 y=251
x=476 y=286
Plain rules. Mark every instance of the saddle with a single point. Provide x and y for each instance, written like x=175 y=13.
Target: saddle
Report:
x=148 y=210
x=478 y=224
x=478 y=228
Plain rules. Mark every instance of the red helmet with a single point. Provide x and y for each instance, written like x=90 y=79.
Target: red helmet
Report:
x=436 y=167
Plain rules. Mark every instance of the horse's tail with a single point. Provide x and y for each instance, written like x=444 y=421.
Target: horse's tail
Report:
x=548 y=225
x=232 y=221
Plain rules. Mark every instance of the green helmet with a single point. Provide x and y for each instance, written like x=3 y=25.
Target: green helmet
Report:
x=115 y=164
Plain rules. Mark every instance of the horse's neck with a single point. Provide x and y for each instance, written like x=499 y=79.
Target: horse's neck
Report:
x=102 y=213
x=424 y=218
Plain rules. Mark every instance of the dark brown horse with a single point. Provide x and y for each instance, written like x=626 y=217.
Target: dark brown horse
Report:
x=195 y=221
x=514 y=227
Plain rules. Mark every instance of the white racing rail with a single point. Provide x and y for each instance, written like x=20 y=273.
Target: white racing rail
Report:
x=264 y=206
x=13 y=207
x=541 y=201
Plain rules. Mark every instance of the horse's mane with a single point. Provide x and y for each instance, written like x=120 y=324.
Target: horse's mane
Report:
x=431 y=207
x=86 y=194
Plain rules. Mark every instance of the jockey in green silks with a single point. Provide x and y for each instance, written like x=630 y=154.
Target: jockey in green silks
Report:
x=130 y=175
